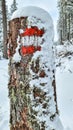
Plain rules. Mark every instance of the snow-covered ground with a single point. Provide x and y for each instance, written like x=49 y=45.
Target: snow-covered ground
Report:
x=64 y=81
x=4 y=100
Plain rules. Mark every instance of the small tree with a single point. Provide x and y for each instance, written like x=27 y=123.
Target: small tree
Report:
x=13 y=6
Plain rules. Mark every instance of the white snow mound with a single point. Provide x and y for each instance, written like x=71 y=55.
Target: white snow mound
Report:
x=33 y=11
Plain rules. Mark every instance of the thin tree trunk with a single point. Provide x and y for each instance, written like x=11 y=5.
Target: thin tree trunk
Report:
x=4 y=28
x=69 y=25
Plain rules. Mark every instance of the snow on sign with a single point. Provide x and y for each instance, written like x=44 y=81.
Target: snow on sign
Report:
x=32 y=89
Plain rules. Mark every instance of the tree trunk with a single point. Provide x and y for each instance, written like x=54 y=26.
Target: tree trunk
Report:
x=4 y=29
x=32 y=89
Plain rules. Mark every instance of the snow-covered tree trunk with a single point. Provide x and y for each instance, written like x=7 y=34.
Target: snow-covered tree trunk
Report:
x=32 y=89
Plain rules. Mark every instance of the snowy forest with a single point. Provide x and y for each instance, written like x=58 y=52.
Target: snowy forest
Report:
x=36 y=65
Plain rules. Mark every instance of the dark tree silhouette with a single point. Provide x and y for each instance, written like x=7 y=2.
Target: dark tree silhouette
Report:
x=4 y=18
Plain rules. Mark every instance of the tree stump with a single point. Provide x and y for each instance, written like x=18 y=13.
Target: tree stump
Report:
x=32 y=89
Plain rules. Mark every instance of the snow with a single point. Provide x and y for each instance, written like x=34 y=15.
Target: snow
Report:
x=4 y=100
x=64 y=56
x=64 y=81
x=31 y=11
x=17 y=57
